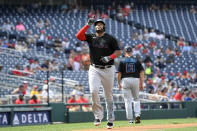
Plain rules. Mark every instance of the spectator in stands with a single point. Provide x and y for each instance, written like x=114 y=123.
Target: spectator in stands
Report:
x=19 y=46
x=53 y=66
x=192 y=9
x=66 y=46
x=177 y=52
x=1 y=67
x=45 y=65
x=164 y=7
x=25 y=84
x=34 y=100
x=149 y=85
x=57 y=44
x=159 y=62
x=20 y=9
x=187 y=96
x=27 y=71
x=85 y=60
x=170 y=58
x=97 y=13
x=134 y=35
x=35 y=65
x=39 y=93
x=47 y=24
x=5 y=43
x=41 y=38
x=181 y=42
x=78 y=47
x=194 y=48
x=146 y=34
x=192 y=76
x=152 y=44
x=103 y=15
x=148 y=59
x=40 y=24
x=77 y=61
x=20 y=90
x=20 y=100
x=72 y=99
x=71 y=60
x=168 y=50
x=34 y=91
x=153 y=7
x=7 y=26
x=187 y=48
x=92 y=14
x=45 y=91
x=185 y=75
x=152 y=34
x=119 y=15
x=160 y=36
x=30 y=38
x=20 y=26
x=17 y=71
x=171 y=7
x=64 y=8
x=148 y=70
x=82 y=99
x=178 y=95
x=136 y=51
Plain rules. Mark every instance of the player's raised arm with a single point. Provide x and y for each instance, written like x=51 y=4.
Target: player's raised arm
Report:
x=81 y=34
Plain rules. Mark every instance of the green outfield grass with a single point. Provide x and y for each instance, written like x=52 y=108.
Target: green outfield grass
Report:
x=89 y=125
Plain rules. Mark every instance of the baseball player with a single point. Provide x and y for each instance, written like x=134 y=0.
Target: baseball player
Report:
x=130 y=77
x=103 y=50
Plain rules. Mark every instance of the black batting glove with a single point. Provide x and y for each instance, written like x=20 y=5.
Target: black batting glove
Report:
x=106 y=59
x=91 y=21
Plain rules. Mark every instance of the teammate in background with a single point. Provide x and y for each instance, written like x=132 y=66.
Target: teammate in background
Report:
x=34 y=100
x=20 y=100
x=72 y=99
x=82 y=99
x=104 y=49
x=130 y=77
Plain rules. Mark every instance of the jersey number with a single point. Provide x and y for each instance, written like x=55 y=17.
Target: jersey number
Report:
x=130 y=68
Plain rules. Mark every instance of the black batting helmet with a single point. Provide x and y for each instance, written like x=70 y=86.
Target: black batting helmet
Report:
x=99 y=21
x=128 y=49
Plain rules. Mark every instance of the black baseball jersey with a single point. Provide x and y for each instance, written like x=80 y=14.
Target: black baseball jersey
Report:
x=101 y=46
x=130 y=67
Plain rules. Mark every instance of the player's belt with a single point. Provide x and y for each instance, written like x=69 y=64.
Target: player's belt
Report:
x=101 y=67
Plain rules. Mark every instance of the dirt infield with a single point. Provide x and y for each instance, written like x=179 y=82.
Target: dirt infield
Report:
x=146 y=127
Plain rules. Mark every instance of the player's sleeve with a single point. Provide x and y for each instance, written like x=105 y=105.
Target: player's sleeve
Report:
x=81 y=33
x=120 y=67
x=88 y=38
x=115 y=44
x=139 y=66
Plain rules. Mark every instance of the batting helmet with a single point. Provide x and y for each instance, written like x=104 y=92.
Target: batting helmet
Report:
x=128 y=49
x=99 y=21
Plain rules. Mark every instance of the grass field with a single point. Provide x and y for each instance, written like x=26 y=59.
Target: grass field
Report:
x=89 y=125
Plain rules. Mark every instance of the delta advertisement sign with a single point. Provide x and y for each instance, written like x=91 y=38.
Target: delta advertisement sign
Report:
x=31 y=118
x=4 y=118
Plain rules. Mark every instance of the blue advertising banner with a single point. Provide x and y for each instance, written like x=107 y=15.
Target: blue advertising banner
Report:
x=31 y=117
x=4 y=118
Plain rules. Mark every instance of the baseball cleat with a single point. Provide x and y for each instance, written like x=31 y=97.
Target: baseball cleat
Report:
x=109 y=125
x=97 y=122
x=137 y=120
x=131 y=122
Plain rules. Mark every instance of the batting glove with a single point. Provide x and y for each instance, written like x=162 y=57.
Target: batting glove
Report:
x=106 y=59
x=91 y=21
